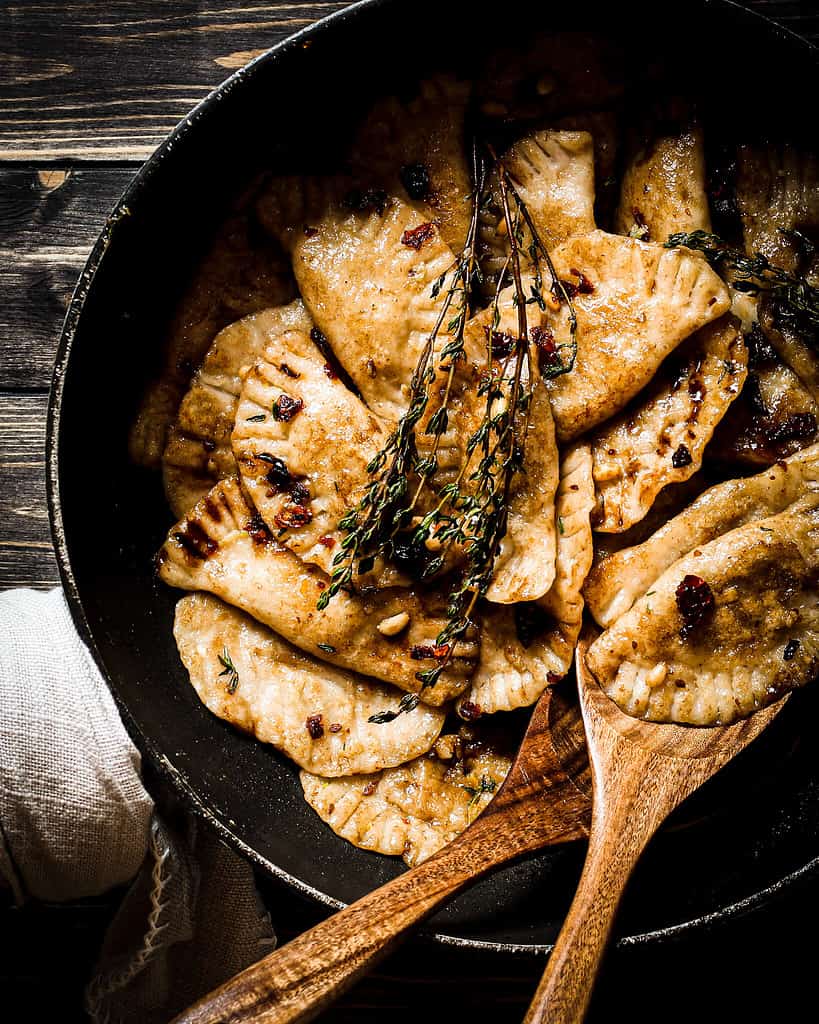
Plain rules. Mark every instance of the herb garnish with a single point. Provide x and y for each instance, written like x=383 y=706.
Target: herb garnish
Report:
x=487 y=785
x=229 y=670
x=470 y=512
x=409 y=702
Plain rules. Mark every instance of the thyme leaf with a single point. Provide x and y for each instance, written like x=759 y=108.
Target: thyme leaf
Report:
x=487 y=785
x=229 y=670
x=409 y=702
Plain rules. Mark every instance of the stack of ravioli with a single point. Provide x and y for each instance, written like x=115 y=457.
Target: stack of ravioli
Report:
x=267 y=446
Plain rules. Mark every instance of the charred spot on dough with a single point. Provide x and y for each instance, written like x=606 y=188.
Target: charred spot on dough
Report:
x=196 y=541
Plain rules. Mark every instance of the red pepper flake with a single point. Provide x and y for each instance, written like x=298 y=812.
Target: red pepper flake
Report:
x=696 y=389
x=420 y=651
x=285 y=408
x=441 y=651
x=695 y=602
x=414 y=238
x=469 y=711
x=278 y=476
x=544 y=341
x=331 y=373
x=257 y=529
x=291 y=517
x=289 y=371
x=582 y=286
x=503 y=344
x=314 y=727
x=335 y=727
x=370 y=788
x=300 y=493
x=327 y=541
x=681 y=457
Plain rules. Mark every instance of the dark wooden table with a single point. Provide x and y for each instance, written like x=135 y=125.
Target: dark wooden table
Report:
x=87 y=91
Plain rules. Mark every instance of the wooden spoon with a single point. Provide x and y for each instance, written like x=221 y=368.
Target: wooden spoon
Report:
x=538 y=805
x=641 y=772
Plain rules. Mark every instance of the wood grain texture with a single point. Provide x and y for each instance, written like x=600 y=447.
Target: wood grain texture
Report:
x=93 y=81
x=26 y=555
x=49 y=221
x=538 y=805
x=641 y=772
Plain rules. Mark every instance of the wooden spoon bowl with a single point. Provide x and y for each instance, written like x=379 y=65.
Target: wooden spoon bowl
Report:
x=641 y=772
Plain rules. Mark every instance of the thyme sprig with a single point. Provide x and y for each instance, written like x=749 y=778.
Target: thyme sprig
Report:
x=483 y=511
x=796 y=299
x=472 y=510
x=372 y=525
x=409 y=702
x=229 y=670
x=487 y=785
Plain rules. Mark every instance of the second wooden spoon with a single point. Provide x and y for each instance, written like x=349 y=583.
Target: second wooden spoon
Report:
x=641 y=772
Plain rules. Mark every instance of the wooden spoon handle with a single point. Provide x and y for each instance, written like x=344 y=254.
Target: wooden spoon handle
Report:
x=296 y=982
x=566 y=987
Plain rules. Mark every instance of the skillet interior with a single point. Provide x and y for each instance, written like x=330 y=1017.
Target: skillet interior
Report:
x=751 y=829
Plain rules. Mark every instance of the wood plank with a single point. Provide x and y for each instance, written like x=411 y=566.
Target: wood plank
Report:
x=26 y=554
x=49 y=220
x=86 y=80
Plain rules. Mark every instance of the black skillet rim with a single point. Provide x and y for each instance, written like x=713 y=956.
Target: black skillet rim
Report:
x=353 y=12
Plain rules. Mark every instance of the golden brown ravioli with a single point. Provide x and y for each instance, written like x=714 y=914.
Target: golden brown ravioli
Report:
x=314 y=713
x=635 y=303
x=296 y=418
x=663 y=189
x=223 y=547
x=416 y=149
x=411 y=811
x=526 y=648
x=616 y=582
x=661 y=438
x=726 y=629
x=198 y=451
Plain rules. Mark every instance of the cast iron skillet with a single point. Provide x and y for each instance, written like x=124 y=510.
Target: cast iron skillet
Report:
x=752 y=832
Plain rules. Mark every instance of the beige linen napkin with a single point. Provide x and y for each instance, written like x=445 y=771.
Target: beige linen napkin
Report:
x=75 y=821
